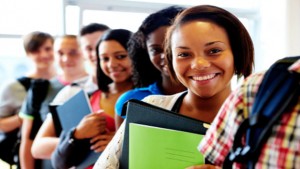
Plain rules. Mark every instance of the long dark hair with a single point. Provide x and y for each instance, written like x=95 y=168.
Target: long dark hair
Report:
x=144 y=72
x=120 y=35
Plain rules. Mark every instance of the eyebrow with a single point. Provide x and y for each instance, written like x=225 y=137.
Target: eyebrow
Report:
x=118 y=52
x=207 y=44
x=214 y=42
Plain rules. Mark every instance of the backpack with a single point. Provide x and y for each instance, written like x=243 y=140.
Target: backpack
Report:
x=10 y=142
x=278 y=92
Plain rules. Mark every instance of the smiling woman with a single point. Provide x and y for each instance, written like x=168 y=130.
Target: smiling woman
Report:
x=205 y=47
x=205 y=64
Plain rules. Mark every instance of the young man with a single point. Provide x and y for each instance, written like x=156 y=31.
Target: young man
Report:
x=39 y=50
x=71 y=62
x=89 y=36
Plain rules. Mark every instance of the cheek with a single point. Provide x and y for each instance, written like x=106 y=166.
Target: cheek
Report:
x=103 y=67
x=178 y=69
x=128 y=65
x=156 y=59
x=228 y=65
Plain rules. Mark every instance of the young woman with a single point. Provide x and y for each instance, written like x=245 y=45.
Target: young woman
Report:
x=114 y=77
x=147 y=54
x=205 y=47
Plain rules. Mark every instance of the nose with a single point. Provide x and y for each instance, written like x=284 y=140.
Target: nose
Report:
x=200 y=63
x=45 y=54
x=112 y=63
x=93 y=55
x=64 y=58
x=162 y=59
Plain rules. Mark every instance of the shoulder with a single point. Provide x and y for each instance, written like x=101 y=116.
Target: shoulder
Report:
x=87 y=84
x=11 y=87
x=137 y=93
x=65 y=93
x=254 y=79
x=164 y=101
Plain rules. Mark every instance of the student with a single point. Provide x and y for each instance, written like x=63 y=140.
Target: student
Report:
x=146 y=52
x=205 y=47
x=281 y=149
x=47 y=136
x=39 y=50
x=114 y=73
x=34 y=110
x=89 y=36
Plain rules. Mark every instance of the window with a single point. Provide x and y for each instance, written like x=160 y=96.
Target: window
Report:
x=114 y=19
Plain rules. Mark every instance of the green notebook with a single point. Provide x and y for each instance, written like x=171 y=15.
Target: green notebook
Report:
x=153 y=147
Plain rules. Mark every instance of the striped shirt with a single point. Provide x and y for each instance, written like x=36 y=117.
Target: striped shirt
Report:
x=282 y=149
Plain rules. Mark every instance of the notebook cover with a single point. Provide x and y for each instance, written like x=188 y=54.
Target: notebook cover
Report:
x=154 y=147
x=143 y=113
x=70 y=114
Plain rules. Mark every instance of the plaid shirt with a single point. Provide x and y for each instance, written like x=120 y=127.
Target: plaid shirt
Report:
x=282 y=149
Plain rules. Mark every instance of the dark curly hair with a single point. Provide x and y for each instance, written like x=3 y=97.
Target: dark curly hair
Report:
x=239 y=38
x=144 y=72
x=120 y=35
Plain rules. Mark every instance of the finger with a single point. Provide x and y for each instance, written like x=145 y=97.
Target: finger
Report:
x=99 y=149
x=205 y=166
x=99 y=144
x=99 y=111
x=97 y=138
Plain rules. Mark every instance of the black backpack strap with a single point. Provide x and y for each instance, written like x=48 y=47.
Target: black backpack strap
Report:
x=278 y=91
x=25 y=81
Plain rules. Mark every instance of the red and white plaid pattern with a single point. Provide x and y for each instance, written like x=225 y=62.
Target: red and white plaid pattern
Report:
x=282 y=149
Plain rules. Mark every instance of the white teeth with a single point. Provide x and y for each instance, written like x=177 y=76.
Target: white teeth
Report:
x=206 y=77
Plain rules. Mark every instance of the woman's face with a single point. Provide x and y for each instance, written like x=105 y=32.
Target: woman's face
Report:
x=155 y=49
x=114 y=61
x=43 y=58
x=202 y=58
x=69 y=56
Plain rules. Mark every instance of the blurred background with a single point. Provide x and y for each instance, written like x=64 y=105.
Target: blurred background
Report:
x=274 y=25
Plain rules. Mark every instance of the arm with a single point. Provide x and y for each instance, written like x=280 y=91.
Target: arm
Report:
x=109 y=158
x=11 y=98
x=10 y=123
x=100 y=141
x=75 y=144
x=118 y=120
x=26 y=159
x=46 y=141
x=118 y=109
x=206 y=166
x=70 y=151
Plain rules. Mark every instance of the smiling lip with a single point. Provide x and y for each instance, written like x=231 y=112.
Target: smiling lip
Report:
x=204 y=77
x=115 y=73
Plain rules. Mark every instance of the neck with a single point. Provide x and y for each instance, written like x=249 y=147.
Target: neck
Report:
x=120 y=87
x=72 y=77
x=204 y=109
x=171 y=87
x=43 y=73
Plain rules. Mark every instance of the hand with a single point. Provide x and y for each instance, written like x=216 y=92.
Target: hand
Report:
x=204 y=166
x=100 y=142
x=90 y=126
